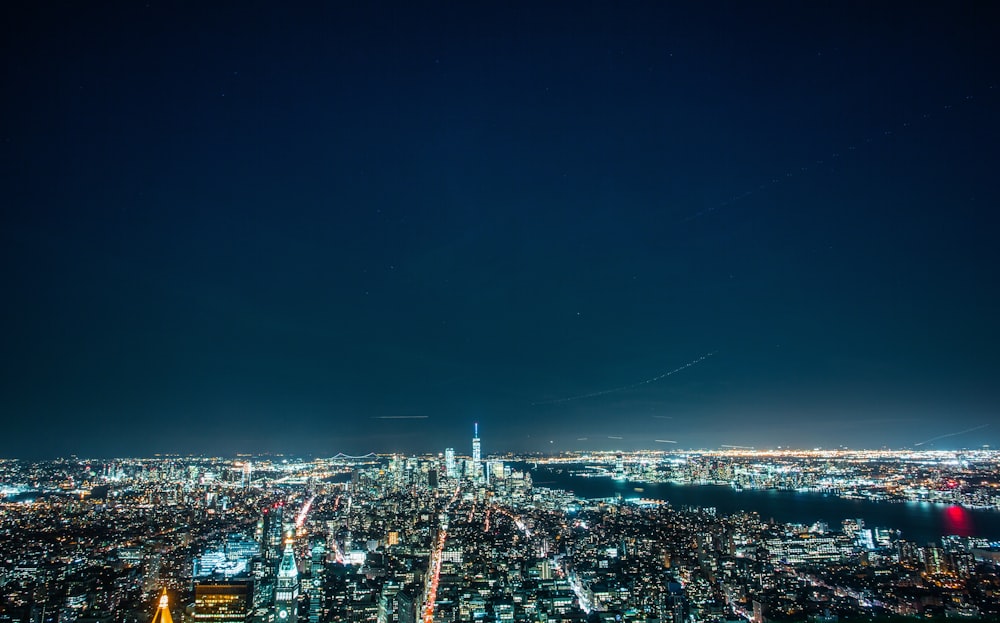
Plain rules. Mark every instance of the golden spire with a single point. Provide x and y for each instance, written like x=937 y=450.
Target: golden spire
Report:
x=163 y=610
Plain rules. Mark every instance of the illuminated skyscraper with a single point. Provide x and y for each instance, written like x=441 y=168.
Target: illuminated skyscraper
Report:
x=316 y=570
x=286 y=590
x=450 y=469
x=477 y=467
x=247 y=474
x=270 y=544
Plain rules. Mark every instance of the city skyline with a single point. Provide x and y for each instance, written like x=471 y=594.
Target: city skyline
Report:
x=631 y=445
x=405 y=539
x=331 y=228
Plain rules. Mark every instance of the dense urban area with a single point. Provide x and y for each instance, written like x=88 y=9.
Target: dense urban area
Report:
x=447 y=538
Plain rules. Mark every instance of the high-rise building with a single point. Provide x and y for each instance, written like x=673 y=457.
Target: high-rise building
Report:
x=498 y=470
x=450 y=469
x=477 y=468
x=247 y=477
x=227 y=602
x=387 y=605
x=407 y=607
x=317 y=569
x=286 y=589
x=619 y=473
x=545 y=569
x=272 y=532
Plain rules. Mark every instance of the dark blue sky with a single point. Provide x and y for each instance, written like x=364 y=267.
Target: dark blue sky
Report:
x=250 y=227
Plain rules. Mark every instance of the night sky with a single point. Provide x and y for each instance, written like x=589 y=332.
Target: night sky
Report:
x=357 y=227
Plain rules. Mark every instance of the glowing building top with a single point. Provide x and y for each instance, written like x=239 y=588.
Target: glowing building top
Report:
x=163 y=610
x=286 y=591
x=476 y=454
x=288 y=568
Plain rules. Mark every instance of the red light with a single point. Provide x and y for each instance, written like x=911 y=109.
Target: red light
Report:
x=958 y=521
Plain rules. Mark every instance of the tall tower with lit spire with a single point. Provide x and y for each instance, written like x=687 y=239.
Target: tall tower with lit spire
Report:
x=286 y=590
x=163 y=610
x=477 y=457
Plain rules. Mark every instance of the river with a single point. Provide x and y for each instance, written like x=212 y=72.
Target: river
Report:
x=921 y=522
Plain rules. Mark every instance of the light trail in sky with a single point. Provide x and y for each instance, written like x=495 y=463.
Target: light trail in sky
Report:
x=664 y=441
x=961 y=432
x=625 y=388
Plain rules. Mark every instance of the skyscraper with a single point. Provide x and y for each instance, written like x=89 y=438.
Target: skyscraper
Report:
x=247 y=474
x=316 y=570
x=407 y=607
x=286 y=590
x=450 y=469
x=477 y=467
x=270 y=544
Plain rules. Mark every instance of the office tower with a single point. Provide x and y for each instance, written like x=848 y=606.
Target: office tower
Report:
x=396 y=470
x=271 y=535
x=450 y=469
x=163 y=610
x=286 y=590
x=317 y=569
x=476 y=454
x=498 y=470
x=619 y=473
x=247 y=476
x=545 y=569
x=222 y=602
x=270 y=552
x=387 y=604
x=407 y=607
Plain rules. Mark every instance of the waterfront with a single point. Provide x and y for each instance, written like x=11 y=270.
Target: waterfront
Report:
x=921 y=522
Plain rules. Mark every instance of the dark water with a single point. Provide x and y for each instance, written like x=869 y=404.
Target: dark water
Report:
x=919 y=522
x=28 y=496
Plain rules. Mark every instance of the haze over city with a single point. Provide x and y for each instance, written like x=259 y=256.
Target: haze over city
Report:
x=351 y=228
